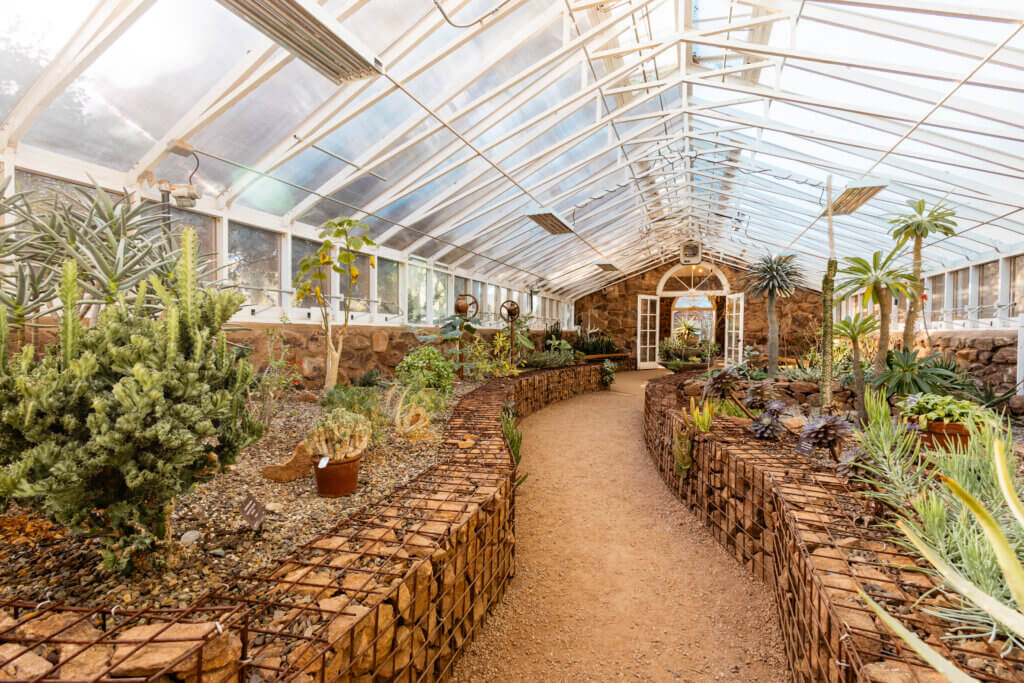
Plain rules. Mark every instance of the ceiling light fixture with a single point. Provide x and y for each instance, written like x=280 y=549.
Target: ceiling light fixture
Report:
x=550 y=221
x=310 y=33
x=855 y=196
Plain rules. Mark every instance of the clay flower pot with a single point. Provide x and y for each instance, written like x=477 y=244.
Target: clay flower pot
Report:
x=945 y=435
x=337 y=478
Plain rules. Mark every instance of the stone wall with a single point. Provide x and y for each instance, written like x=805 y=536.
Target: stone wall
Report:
x=394 y=592
x=613 y=309
x=803 y=530
x=988 y=355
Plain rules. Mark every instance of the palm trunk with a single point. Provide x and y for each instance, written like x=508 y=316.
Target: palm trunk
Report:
x=885 y=313
x=858 y=382
x=773 y=337
x=915 y=298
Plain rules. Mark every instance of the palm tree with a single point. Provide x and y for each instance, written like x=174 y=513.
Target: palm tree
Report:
x=856 y=328
x=880 y=279
x=915 y=226
x=770 y=278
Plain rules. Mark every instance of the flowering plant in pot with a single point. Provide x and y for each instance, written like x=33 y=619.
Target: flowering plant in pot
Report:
x=943 y=419
x=336 y=445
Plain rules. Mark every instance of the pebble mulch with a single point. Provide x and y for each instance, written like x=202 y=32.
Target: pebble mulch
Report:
x=39 y=561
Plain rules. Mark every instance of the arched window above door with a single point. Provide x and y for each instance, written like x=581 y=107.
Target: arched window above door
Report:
x=703 y=279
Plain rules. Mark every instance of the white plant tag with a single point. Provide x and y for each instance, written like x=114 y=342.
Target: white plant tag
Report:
x=323 y=462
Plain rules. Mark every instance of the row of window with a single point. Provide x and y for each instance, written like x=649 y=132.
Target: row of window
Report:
x=985 y=293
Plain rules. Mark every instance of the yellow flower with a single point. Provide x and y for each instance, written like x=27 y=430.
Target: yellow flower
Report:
x=319 y=298
x=353 y=274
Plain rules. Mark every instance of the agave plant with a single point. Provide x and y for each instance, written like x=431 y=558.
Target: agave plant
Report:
x=905 y=374
x=880 y=279
x=771 y=278
x=914 y=227
x=1002 y=611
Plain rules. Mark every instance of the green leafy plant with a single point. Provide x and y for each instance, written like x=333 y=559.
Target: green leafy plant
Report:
x=701 y=417
x=686 y=332
x=905 y=373
x=879 y=279
x=363 y=401
x=682 y=449
x=341 y=240
x=914 y=227
x=855 y=329
x=942 y=408
x=801 y=374
x=425 y=366
x=451 y=334
x=772 y=278
x=101 y=434
x=671 y=349
x=560 y=345
x=593 y=342
x=608 y=369
x=489 y=358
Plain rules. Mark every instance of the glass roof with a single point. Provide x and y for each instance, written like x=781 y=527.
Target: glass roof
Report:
x=640 y=125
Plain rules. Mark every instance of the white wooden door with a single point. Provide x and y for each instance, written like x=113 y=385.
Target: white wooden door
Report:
x=733 y=329
x=647 y=332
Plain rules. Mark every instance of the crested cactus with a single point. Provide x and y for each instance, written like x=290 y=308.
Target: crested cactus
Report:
x=339 y=435
x=102 y=435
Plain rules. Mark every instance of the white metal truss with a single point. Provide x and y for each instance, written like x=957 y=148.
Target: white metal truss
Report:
x=677 y=125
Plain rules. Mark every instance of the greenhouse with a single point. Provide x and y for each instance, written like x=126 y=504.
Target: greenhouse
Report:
x=511 y=340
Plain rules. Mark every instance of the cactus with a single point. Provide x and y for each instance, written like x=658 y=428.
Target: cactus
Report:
x=130 y=412
x=339 y=435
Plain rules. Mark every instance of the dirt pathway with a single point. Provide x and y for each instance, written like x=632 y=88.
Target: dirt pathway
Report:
x=615 y=579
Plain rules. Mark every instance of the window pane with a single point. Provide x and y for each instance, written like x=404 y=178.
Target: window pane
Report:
x=478 y=294
x=358 y=294
x=254 y=263
x=387 y=287
x=440 y=295
x=302 y=249
x=937 y=296
x=417 y=306
x=961 y=283
x=1017 y=285
x=461 y=286
x=988 y=289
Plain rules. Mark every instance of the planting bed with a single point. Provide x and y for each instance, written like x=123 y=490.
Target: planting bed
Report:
x=39 y=561
x=802 y=529
x=393 y=591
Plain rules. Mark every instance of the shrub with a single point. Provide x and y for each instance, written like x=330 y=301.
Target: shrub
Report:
x=672 y=349
x=905 y=373
x=927 y=408
x=489 y=358
x=104 y=431
x=608 y=368
x=425 y=366
x=370 y=378
x=363 y=401
x=592 y=342
x=550 y=359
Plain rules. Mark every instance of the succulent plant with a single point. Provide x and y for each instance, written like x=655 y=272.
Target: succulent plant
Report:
x=767 y=425
x=722 y=383
x=825 y=431
x=759 y=394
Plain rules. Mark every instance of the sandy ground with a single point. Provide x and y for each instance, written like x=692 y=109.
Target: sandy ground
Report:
x=615 y=579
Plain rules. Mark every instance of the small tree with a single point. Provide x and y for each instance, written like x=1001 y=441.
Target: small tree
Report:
x=855 y=329
x=770 y=278
x=348 y=236
x=880 y=279
x=915 y=226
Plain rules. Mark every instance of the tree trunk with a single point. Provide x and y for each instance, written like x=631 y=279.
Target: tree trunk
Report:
x=827 y=287
x=885 y=313
x=915 y=298
x=858 y=382
x=773 y=337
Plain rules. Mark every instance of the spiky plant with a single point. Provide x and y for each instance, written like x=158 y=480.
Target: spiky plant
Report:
x=767 y=425
x=772 y=278
x=824 y=431
x=855 y=329
x=914 y=227
x=879 y=279
x=722 y=384
x=759 y=395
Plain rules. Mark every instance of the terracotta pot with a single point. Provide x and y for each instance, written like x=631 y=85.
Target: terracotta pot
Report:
x=337 y=478
x=945 y=435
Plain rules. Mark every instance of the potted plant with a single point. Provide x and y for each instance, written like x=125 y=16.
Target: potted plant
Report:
x=943 y=419
x=336 y=445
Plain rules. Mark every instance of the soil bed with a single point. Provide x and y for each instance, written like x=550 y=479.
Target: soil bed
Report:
x=42 y=561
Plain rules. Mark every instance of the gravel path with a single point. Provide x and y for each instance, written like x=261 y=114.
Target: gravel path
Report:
x=615 y=579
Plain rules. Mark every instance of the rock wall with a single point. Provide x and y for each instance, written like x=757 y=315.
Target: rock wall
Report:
x=988 y=355
x=394 y=592
x=614 y=310
x=801 y=529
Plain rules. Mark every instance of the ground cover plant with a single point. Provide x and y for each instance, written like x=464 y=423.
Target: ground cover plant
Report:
x=106 y=429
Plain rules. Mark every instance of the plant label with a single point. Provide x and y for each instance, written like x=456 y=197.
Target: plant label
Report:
x=253 y=512
x=323 y=462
